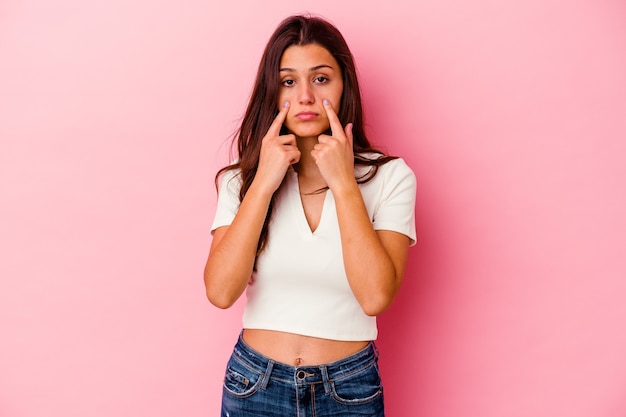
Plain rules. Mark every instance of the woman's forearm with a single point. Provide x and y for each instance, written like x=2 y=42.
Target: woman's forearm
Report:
x=374 y=261
x=233 y=250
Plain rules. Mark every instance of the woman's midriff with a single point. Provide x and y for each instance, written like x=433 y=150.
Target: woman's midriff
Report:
x=298 y=350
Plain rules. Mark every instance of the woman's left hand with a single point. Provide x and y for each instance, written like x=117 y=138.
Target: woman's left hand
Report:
x=333 y=154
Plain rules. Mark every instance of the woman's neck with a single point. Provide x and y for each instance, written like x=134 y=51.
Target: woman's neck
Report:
x=307 y=168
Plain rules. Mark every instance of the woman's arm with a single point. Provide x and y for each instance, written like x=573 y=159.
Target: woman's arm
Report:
x=233 y=250
x=374 y=260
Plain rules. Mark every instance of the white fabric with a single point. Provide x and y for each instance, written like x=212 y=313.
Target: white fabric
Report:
x=300 y=285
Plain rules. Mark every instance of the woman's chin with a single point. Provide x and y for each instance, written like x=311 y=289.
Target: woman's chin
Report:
x=309 y=132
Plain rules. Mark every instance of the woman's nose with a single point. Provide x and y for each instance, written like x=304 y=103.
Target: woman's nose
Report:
x=305 y=94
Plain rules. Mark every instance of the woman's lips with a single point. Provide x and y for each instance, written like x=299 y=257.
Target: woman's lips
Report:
x=306 y=115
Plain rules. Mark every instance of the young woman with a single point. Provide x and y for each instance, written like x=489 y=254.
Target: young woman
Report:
x=315 y=225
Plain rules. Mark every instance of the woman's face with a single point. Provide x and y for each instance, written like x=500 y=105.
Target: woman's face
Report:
x=309 y=75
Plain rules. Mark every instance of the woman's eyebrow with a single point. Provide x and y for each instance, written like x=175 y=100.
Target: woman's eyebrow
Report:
x=312 y=69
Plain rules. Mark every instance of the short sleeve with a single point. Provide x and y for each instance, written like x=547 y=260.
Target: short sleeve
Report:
x=396 y=209
x=227 y=199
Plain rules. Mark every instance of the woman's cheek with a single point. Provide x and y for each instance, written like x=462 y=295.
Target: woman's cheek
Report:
x=287 y=123
x=280 y=102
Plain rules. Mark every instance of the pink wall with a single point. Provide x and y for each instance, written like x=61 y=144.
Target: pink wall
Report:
x=113 y=121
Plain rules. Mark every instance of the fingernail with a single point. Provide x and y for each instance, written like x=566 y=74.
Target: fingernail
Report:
x=286 y=104
x=326 y=102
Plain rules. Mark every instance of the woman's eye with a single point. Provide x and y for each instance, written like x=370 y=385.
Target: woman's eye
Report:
x=321 y=80
x=288 y=83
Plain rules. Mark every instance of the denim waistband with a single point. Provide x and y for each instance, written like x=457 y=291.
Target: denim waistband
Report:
x=302 y=375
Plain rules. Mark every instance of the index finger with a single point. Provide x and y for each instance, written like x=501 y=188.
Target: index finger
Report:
x=277 y=124
x=335 y=123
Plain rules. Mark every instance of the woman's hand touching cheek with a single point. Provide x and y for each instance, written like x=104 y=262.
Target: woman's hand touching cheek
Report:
x=333 y=154
x=278 y=152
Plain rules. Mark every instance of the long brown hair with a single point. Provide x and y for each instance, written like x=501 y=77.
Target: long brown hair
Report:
x=262 y=109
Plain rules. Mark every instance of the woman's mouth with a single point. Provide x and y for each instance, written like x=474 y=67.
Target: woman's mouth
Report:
x=306 y=115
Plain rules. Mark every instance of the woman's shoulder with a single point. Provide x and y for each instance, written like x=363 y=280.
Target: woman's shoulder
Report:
x=393 y=167
x=230 y=179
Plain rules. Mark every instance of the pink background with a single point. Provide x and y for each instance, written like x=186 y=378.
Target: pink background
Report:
x=114 y=117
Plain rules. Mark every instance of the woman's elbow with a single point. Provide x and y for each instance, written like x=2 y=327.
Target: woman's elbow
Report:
x=376 y=305
x=217 y=294
x=377 y=302
x=219 y=299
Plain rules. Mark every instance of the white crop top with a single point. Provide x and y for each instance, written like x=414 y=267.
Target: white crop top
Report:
x=300 y=285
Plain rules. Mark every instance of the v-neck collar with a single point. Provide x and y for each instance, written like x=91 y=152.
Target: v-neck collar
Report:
x=296 y=198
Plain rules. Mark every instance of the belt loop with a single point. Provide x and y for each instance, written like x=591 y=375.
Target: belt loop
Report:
x=376 y=352
x=268 y=374
x=325 y=378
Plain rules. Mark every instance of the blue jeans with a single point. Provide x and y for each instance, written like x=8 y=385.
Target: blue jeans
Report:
x=257 y=386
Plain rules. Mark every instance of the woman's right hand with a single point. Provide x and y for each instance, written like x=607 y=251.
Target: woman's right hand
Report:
x=278 y=152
